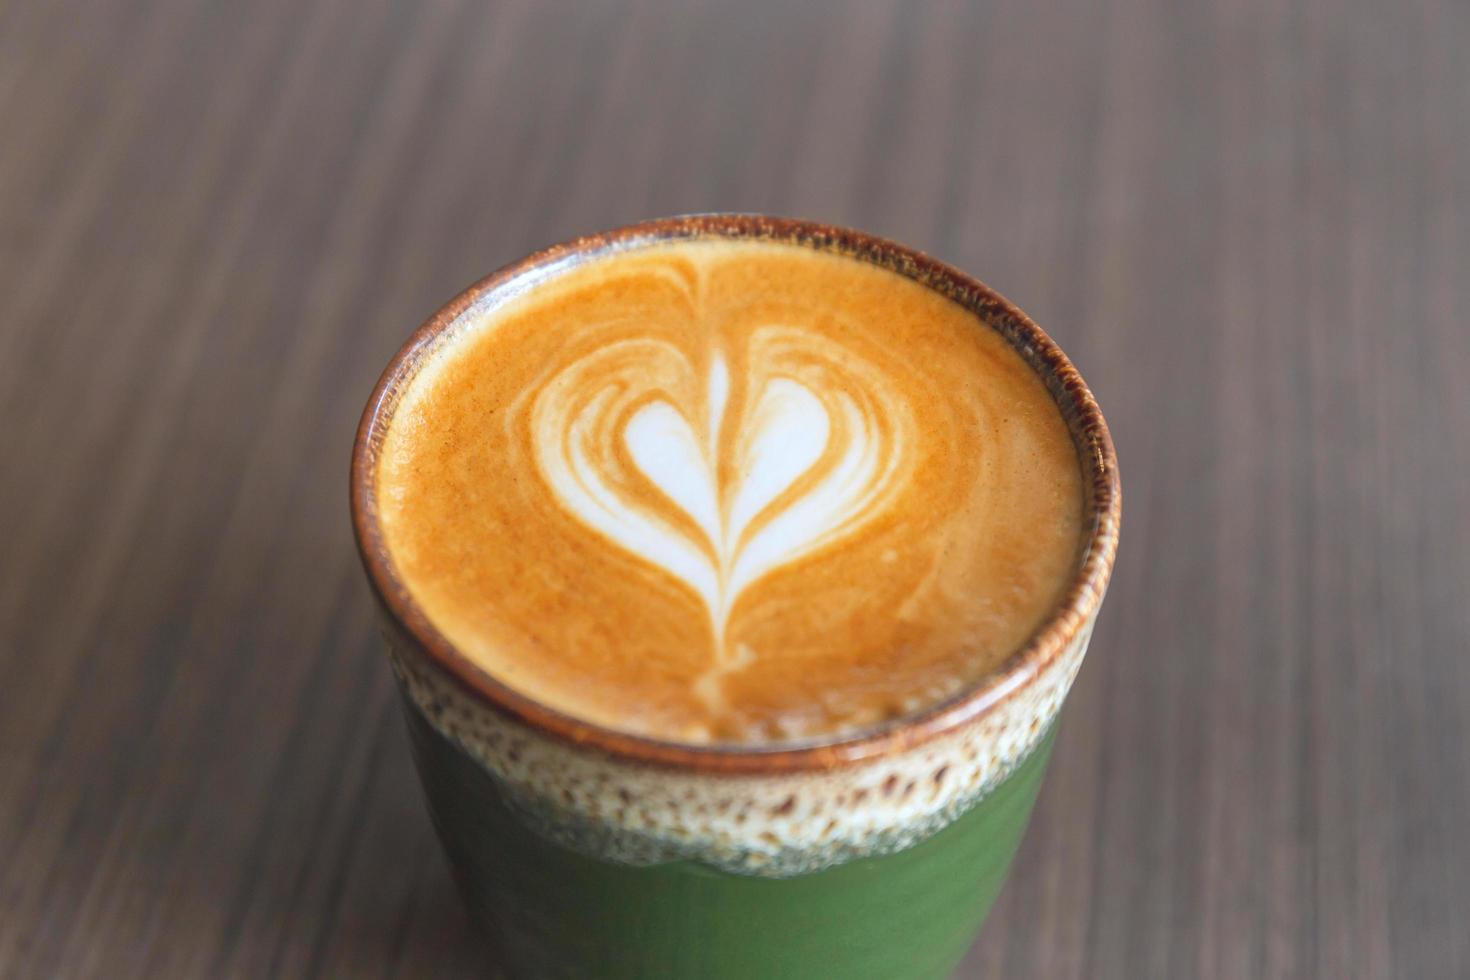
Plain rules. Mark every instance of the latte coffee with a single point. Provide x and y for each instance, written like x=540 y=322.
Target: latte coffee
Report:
x=730 y=491
x=734 y=571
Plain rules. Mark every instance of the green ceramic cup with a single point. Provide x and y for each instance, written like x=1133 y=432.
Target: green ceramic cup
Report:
x=585 y=852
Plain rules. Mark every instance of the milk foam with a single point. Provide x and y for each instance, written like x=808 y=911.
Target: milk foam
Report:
x=730 y=492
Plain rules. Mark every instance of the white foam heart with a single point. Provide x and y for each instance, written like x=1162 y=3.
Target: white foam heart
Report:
x=803 y=468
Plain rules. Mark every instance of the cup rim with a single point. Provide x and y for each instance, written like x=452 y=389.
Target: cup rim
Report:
x=1067 y=617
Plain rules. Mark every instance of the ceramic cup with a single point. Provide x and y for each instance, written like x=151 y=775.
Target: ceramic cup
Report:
x=586 y=852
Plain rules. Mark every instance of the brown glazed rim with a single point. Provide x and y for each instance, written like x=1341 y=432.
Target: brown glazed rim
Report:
x=1102 y=504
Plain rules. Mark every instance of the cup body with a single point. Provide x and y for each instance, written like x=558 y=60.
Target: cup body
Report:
x=585 y=852
x=555 y=912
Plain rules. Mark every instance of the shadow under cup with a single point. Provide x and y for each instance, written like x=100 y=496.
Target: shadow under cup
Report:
x=587 y=852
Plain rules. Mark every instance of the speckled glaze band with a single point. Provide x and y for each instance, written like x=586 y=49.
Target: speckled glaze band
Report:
x=776 y=825
x=777 y=813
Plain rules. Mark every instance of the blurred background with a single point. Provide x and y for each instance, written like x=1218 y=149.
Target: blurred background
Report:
x=1247 y=222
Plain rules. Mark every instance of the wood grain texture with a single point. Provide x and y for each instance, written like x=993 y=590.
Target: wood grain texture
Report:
x=1248 y=222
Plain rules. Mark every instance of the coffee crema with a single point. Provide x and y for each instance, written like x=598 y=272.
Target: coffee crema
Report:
x=723 y=491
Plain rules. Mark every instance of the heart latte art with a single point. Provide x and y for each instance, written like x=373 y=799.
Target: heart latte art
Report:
x=731 y=492
x=813 y=445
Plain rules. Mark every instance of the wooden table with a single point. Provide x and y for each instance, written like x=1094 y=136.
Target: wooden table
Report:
x=1249 y=224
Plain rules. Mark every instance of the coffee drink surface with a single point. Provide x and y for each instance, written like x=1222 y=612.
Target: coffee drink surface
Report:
x=738 y=492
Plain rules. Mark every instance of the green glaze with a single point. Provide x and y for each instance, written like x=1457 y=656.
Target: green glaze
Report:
x=557 y=913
